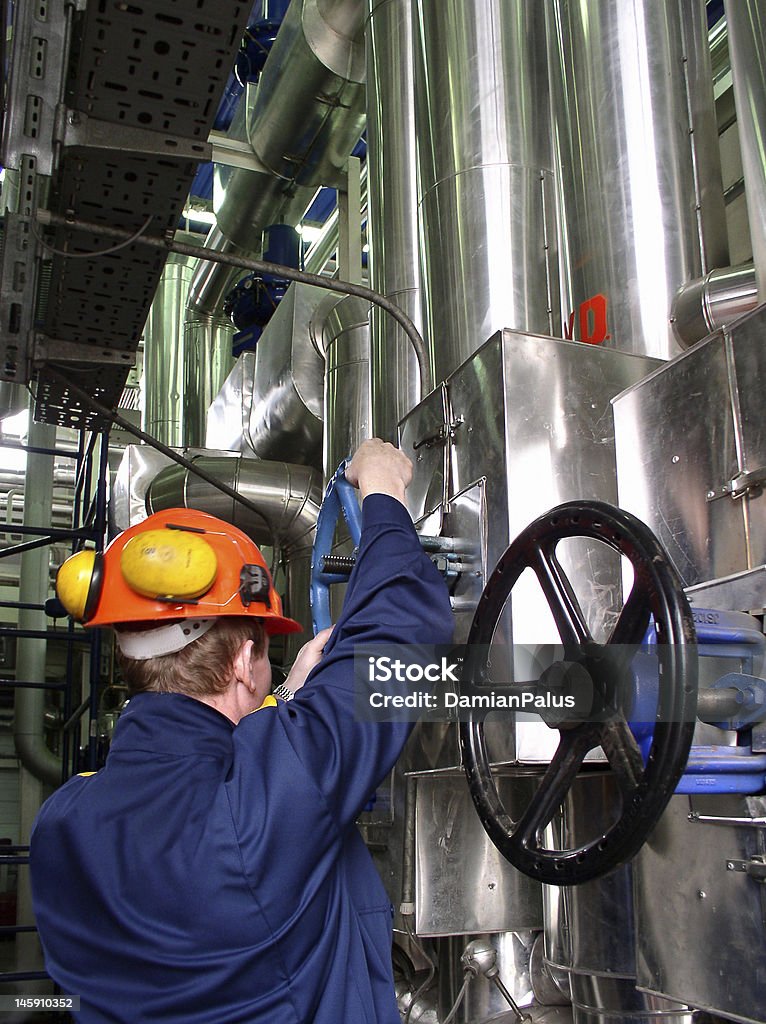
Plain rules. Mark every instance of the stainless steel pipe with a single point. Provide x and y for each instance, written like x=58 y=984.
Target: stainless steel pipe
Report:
x=392 y=224
x=746 y=20
x=703 y=306
x=637 y=146
x=486 y=188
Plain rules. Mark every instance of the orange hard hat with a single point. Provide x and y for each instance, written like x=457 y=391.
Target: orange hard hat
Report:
x=177 y=564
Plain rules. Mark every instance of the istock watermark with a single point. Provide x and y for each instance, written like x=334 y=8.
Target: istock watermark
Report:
x=564 y=688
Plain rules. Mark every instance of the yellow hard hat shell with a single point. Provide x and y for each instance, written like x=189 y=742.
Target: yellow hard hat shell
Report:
x=169 y=564
x=77 y=580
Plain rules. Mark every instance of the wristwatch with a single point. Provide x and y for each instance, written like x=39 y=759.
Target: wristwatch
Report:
x=283 y=692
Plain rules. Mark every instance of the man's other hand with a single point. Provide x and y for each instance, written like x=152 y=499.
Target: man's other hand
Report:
x=379 y=468
x=308 y=657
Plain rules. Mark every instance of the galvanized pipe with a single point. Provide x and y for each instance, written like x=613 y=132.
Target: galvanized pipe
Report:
x=321 y=251
x=746 y=20
x=163 y=372
x=342 y=328
x=706 y=305
x=287 y=497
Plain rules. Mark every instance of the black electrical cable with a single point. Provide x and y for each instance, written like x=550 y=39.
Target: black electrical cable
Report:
x=343 y=287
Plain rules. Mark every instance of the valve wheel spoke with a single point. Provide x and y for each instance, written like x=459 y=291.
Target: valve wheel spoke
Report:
x=556 y=783
x=561 y=598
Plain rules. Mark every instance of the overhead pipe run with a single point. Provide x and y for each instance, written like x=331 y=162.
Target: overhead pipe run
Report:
x=307 y=116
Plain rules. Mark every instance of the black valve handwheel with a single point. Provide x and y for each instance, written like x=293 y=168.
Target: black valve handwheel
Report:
x=644 y=787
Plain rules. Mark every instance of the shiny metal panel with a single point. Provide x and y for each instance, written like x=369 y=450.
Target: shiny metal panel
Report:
x=589 y=928
x=530 y=417
x=344 y=327
x=744 y=591
x=228 y=412
x=393 y=214
x=746 y=20
x=702 y=942
x=276 y=394
x=483 y=1000
x=682 y=435
x=637 y=151
x=539 y=409
x=462 y=883
x=485 y=187
x=163 y=376
x=207 y=362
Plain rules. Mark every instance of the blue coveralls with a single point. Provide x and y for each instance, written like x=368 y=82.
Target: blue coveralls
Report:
x=212 y=874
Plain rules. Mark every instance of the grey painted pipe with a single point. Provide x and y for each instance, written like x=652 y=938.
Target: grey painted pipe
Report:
x=28 y=730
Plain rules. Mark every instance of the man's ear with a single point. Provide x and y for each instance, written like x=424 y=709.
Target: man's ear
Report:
x=242 y=663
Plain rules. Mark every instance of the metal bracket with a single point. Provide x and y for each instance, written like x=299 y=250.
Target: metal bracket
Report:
x=755 y=867
x=750 y=484
x=75 y=129
x=18 y=276
x=48 y=350
x=37 y=60
x=709 y=819
x=234 y=153
x=443 y=434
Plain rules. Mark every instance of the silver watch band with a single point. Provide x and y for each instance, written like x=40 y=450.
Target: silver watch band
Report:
x=283 y=692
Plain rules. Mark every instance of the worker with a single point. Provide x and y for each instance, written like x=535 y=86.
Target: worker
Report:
x=211 y=872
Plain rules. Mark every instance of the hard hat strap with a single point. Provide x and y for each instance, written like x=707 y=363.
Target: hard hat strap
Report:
x=153 y=643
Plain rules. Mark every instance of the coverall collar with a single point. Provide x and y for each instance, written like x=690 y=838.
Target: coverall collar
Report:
x=172 y=723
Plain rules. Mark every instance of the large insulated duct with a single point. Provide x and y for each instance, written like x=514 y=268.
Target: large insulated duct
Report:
x=635 y=130
x=393 y=216
x=307 y=116
x=746 y=21
x=287 y=496
x=486 y=189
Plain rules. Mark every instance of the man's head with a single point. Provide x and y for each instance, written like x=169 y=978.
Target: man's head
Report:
x=191 y=601
x=203 y=668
